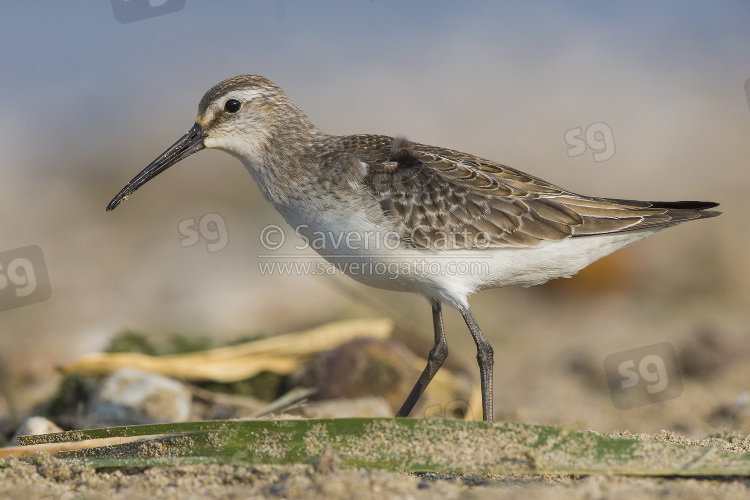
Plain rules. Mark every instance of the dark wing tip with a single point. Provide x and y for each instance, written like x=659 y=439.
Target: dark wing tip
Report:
x=680 y=205
x=693 y=210
x=652 y=214
x=685 y=205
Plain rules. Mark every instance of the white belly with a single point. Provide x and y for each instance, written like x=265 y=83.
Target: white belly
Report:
x=453 y=275
x=373 y=255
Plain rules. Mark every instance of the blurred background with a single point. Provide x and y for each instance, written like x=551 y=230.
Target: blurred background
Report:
x=636 y=100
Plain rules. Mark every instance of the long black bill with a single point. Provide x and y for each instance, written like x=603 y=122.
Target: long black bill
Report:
x=190 y=143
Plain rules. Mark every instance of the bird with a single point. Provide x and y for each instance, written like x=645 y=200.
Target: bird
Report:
x=417 y=218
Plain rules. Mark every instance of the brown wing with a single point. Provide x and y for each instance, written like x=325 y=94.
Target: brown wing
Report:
x=448 y=199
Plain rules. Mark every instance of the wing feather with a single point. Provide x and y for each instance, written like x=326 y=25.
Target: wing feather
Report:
x=441 y=195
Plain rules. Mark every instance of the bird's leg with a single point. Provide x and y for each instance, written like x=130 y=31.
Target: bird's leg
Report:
x=438 y=353
x=484 y=357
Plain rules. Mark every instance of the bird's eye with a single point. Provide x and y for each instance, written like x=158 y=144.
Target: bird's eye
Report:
x=232 y=106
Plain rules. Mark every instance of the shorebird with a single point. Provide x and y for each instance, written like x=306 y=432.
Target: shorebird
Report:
x=414 y=216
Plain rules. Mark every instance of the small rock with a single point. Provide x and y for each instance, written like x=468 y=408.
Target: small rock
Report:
x=33 y=426
x=388 y=370
x=742 y=404
x=363 y=367
x=131 y=397
x=328 y=461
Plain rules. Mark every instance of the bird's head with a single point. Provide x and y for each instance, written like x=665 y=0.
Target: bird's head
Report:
x=241 y=115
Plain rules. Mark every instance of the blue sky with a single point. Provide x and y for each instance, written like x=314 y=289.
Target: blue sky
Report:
x=72 y=74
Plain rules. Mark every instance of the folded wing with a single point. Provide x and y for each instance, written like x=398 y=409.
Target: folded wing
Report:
x=448 y=199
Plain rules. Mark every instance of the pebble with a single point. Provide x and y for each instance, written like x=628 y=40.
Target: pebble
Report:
x=131 y=397
x=33 y=426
